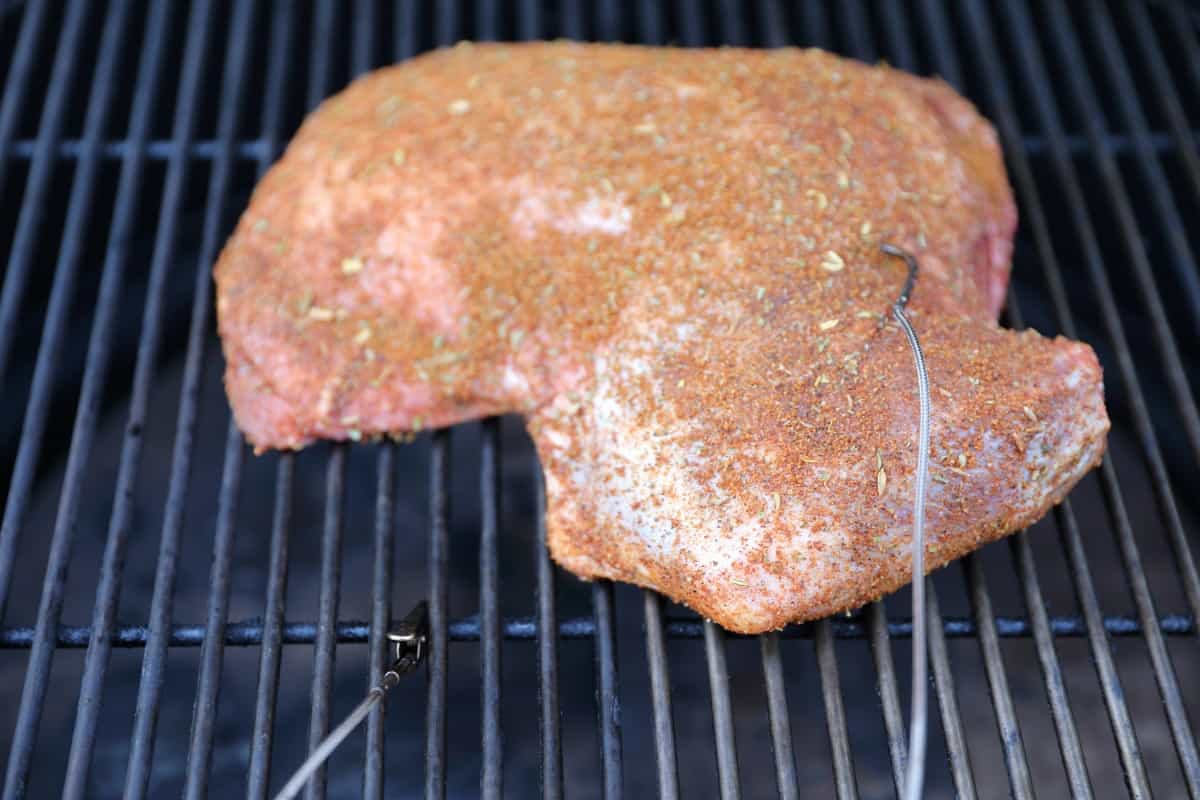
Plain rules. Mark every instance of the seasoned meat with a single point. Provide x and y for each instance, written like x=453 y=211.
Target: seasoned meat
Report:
x=668 y=261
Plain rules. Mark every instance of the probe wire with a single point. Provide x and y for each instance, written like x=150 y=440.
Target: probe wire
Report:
x=914 y=778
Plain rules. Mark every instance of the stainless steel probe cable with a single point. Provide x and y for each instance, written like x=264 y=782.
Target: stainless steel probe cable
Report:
x=409 y=639
x=914 y=778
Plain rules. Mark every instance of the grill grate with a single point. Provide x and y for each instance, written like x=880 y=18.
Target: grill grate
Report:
x=129 y=138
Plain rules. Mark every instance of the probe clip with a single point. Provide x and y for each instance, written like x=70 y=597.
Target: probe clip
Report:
x=409 y=639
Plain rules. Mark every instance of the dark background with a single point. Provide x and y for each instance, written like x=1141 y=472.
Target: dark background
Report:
x=322 y=54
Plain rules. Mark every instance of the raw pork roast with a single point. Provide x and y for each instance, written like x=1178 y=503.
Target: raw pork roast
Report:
x=668 y=261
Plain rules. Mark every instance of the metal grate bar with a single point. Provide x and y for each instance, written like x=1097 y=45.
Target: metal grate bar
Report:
x=1085 y=97
x=267 y=692
x=718 y=683
x=530 y=24
x=154 y=661
x=384 y=545
x=943 y=681
x=1184 y=27
x=1176 y=237
x=1056 y=689
x=255 y=148
x=381 y=607
x=546 y=628
x=1183 y=24
x=18 y=80
x=857 y=32
x=1127 y=745
x=691 y=23
x=104 y=612
x=889 y=692
x=324 y=652
x=835 y=713
x=365 y=24
x=33 y=203
x=1110 y=682
x=1152 y=172
x=1035 y=605
x=445 y=33
x=155 y=149
x=492 y=777
x=486 y=27
x=773 y=26
x=381 y=574
x=435 y=709
x=934 y=13
x=900 y=39
x=251 y=632
x=816 y=24
x=609 y=21
x=406 y=28
x=1164 y=671
x=650 y=24
x=209 y=686
x=777 y=712
x=733 y=25
x=571 y=20
x=15 y=276
x=446 y=23
x=1181 y=732
x=660 y=695
x=37 y=672
x=321 y=44
x=993 y=662
x=608 y=700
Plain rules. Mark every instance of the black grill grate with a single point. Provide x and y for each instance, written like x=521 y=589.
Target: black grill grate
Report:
x=130 y=134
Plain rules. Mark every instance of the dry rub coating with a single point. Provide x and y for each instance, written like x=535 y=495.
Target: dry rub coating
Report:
x=668 y=261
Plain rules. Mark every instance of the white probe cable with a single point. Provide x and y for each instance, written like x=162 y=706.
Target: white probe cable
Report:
x=914 y=778
x=409 y=640
x=338 y=735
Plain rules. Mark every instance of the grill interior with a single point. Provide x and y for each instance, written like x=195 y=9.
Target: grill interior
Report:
x=177 y=615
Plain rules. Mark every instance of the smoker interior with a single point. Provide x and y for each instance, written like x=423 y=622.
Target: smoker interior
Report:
x=180 y=616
